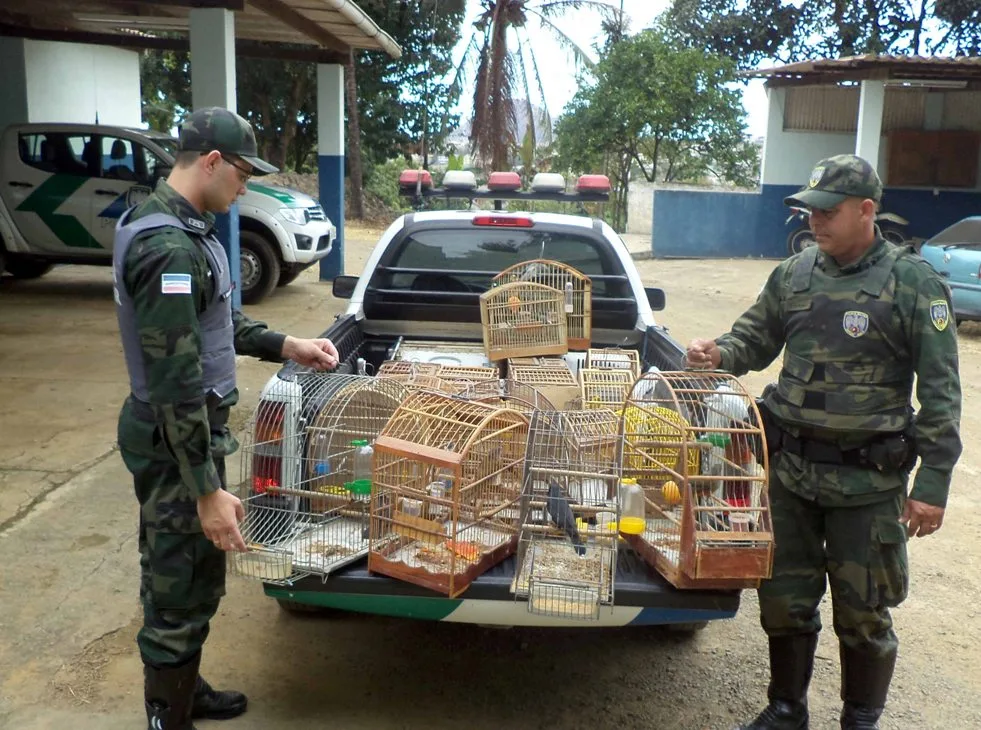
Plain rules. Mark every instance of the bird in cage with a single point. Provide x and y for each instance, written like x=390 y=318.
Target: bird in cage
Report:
x=560 y=512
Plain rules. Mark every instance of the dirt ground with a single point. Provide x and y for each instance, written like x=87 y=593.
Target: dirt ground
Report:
x=68 y=577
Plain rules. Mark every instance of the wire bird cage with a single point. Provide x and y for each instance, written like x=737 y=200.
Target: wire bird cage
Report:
x=507 y=393
x=605 y=388
x=307 y=456
x=557 y=384
x=576 y=290
x=444 y=502
x=614 y=358
x=693 y=445
x=569 y=511
x=523 y=319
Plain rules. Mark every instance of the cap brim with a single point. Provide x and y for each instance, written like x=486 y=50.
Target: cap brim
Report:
x=820 y=199
x=260 y=167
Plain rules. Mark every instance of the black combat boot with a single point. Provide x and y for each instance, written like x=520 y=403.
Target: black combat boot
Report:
x=791 y=663
x=168 y=693
x=865 y=682
x=211 y=704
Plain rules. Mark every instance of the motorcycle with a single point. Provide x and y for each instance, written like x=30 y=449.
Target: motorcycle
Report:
x=892 y=227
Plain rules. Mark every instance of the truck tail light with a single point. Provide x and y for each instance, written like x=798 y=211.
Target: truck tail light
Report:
x=503 y=221
x=267 y=456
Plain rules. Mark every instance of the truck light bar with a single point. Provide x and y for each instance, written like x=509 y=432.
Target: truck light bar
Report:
x=462 y=184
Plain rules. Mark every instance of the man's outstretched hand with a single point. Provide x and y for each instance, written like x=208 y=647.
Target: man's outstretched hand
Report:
x=319 y=353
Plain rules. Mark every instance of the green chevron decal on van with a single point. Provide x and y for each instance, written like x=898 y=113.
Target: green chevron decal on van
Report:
x=281 y=195
x=48 y=198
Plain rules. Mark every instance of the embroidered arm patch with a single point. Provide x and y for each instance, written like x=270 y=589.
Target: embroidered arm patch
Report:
x=175 y=283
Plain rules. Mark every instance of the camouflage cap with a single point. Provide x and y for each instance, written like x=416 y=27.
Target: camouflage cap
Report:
x=216 y=128
x=836 y=178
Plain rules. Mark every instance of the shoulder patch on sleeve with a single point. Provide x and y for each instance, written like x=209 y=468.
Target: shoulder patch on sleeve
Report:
x=175 y=283
x=939 y=314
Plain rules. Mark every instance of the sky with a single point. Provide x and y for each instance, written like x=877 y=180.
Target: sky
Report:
x=558 y=70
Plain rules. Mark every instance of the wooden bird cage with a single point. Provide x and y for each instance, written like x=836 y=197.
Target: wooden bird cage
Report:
x=523 y=319
x=540 y=362
x=406 y=369
x=576 y=290
x=614 y=358
x=605 y=388
x=507 y=393
x=308 y=514
x=557 y=384
x=468 y=374
x=567 y=549
x=693 y=443
x=446 y=485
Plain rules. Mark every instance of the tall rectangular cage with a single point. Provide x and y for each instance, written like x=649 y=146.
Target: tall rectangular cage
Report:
x=307 y=459
x=614 y=358
x=567 y=550
x=522 y=319
x=605 y=388
x=693 y=445
x=576 y=288
x=446 y=488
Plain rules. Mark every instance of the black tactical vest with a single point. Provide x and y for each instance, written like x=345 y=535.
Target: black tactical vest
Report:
x=215 y=322
x=847 y=367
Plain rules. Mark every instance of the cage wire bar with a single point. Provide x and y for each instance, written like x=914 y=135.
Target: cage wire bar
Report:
x=523 y=319
x=569 y=513
x=508 y=393
x=308 y=509
x=446 y=485
x=614 y=358
x=602 y=388
x=576 y=290
x=693 y=442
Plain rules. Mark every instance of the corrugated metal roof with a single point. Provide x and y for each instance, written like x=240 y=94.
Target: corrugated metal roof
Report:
x=858 y=68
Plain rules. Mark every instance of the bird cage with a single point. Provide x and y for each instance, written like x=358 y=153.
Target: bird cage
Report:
x=614 y=358
x=557 y=384
x=441 y=352
x=447 y=480
x=523 y=319
x=468 y=374
x=568 y=542
x=309 y=514
x=693 y=444
x=597 y=434
x=541 y=362
x=508 y=393
x=576 y=290
x=406 y=369
x=605 y=388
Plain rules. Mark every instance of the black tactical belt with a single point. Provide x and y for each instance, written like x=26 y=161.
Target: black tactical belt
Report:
x=822 y=452
x=217 y=417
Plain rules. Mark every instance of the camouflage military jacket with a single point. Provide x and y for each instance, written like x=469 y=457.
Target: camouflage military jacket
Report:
x=170 y=339
x=915 y=327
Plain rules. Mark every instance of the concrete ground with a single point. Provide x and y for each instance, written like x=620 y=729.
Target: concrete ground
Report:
x=68 y=579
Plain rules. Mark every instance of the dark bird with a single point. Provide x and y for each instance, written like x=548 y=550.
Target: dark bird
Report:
x=559 y=511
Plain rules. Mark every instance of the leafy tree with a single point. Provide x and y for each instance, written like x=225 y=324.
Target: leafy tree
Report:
x=665 y=112
x=752 y=31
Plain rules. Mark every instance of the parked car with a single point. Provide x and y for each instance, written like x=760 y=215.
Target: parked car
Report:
x=955 y=252
x=64 y=186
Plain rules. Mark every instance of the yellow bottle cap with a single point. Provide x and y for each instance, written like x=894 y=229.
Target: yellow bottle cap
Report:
x=628 y=480
x=632 y=525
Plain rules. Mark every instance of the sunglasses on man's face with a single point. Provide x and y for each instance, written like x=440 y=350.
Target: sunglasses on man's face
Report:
x=243 y=175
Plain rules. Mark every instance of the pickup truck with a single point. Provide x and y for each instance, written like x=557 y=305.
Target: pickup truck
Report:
x=64 y=186
x=422 y=282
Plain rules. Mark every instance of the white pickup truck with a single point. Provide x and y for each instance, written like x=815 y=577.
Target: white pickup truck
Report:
x=64 y=186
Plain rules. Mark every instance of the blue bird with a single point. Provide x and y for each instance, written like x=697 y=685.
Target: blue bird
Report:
x=559 y=511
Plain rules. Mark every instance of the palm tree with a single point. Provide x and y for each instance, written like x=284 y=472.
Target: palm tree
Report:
x=499 y=71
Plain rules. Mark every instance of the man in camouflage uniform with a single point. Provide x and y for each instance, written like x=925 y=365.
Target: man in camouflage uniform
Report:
x=180 y=337
x=859 y=317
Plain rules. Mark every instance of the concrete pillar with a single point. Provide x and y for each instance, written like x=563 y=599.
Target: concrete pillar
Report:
x=330 y=163
x=871 y=103
x=933 y=111
x=213 y=84
x=772 y=167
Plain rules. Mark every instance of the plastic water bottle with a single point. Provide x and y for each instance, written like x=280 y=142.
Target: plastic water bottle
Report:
x=568 y=297
x=361 y=469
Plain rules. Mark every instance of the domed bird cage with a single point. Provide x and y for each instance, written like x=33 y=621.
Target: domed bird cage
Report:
x=693 y=445
x=522 y=319
x=308 y=513
x=569 y=511
x=576 y=290
x=507 y=393
x=446 y=484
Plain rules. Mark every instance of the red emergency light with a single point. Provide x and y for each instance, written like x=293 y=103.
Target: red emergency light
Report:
x=410 y=179
x=593 y=184
x=506 y=181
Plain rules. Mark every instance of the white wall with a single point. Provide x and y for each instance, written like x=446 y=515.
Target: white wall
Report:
x=640 y=207
x=790 y=156
x=13 y=89
x=69 y=82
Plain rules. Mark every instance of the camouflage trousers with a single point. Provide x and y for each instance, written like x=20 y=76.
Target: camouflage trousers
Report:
x=182 y=574
x=839 y=527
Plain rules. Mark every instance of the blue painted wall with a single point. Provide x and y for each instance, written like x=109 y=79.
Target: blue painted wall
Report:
x=331 y=172
x=711 y=224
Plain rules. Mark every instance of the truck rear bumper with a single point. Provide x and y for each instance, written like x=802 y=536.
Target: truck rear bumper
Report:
x=641 y=597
